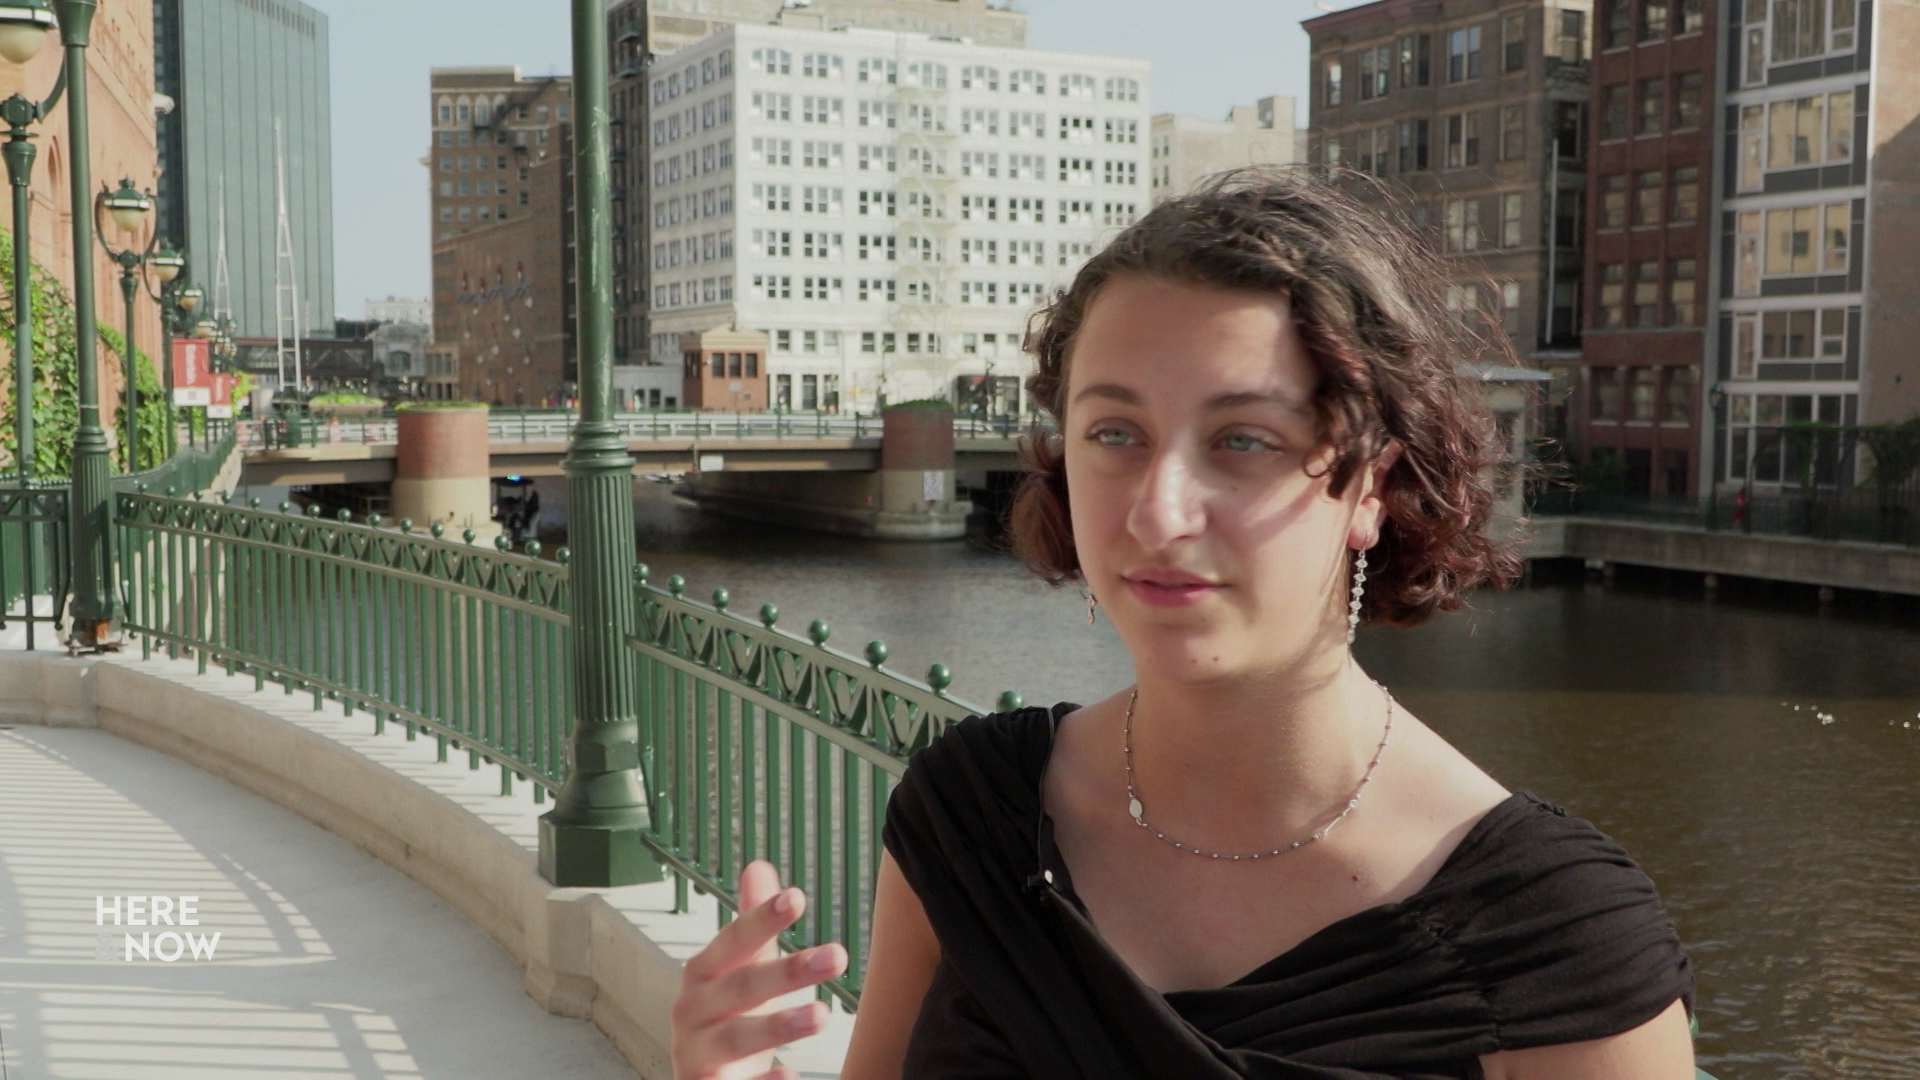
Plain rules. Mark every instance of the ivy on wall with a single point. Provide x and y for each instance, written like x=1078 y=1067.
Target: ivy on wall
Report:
x=56 y=393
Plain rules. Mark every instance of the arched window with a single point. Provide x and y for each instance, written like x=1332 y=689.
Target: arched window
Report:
x=444 y=113
x=463 y=111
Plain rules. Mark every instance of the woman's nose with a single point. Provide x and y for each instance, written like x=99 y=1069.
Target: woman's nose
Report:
x=1170 y=503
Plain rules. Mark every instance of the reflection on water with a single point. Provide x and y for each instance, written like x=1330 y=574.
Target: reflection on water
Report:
x=1759 y=758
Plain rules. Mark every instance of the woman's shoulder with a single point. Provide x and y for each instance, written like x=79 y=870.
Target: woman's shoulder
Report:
x=1563 y=931
x=1015 y=744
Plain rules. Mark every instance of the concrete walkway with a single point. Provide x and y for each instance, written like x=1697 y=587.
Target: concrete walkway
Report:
x=329 y=965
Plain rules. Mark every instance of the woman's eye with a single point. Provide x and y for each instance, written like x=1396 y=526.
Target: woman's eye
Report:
x=1110 y=437
x=1240 y=441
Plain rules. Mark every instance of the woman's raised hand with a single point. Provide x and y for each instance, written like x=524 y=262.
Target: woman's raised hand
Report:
x=724 y=1024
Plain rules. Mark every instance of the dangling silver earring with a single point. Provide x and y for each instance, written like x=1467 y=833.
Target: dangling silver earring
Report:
x=1353 y=605
x=1091 y=604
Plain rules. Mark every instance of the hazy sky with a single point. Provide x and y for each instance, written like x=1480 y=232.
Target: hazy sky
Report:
x=1207 y=55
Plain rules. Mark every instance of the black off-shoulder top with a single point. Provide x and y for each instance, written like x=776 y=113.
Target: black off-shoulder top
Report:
x=1537 y=930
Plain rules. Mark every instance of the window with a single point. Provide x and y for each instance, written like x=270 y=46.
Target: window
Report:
x=1680 y=292
x=1686 y=100
x=1123 y=131
x=1573 y=37
x=1331 y=81
x=1646 y=198
x=1746 y=254
x=1510 y=209
x=1027 y=81
x=1810 y=130
x=1613 y=112
x=1463 y=140
x=1646 y=296
x=1376 y=69
x=1612 y=308
x=1414 y=53
x=1413 y=145
x=1684 y=202
x=1077 y=86
x=1513 y=41
x=1613 y=201
x=1463 y=54
x=1513 y=132
x=1653 y=19
x=1123 y=89
x=1606 y=393
x=1463 y=225
x=1640 y=387
x=1690 y=17
x=1653 y=106
x=1808 y=239
x=1800 y=28
x=1619 y=27
x=820 y=66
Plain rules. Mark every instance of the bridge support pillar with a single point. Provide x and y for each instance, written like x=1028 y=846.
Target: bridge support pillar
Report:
x=911 y=497
x=441 y=470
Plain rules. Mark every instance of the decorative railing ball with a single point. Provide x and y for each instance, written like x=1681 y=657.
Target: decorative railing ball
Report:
x=876 y=652
x=438 y=529
x=376 y=520
x=468 y=535
x=1009 y=701
x=502 y=543
x=563 y=555
x=253 y=502
x=817 y=632
x=314 y=511
x=406 y=525
x=769 y=615
x=345 y=516
x=676 y=585
x=641 y=573
x=721 y=598
x=939 y=677
x=533 y=549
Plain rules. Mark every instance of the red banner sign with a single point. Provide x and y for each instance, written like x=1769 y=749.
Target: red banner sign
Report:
x=220 y=406
x=192 y=371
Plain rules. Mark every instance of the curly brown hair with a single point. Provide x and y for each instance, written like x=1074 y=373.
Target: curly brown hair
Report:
x=1365 y=299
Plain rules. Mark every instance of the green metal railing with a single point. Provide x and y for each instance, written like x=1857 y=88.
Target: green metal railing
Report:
x=1862 y=514
x=467 y=643
x=767 y=745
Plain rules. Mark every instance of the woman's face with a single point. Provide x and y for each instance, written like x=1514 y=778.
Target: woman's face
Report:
x=1189 y=429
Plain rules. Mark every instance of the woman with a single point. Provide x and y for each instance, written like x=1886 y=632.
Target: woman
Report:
x=1253 y=862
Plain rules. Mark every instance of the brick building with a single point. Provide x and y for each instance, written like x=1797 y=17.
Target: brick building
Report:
x=501 y=175
x=121 y=132
x=1472 y=114
x=1648 y=242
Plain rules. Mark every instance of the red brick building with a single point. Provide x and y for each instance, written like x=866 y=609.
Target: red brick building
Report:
x=1650 y=165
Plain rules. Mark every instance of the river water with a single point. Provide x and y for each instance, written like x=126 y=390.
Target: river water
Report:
x=1758 y=753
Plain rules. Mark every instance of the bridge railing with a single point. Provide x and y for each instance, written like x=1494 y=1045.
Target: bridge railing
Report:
x=767 y=745
x=756 y=742
x=464 y=642
x=273 y=433
x=1863 y=514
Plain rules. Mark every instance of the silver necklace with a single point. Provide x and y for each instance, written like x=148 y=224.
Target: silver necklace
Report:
x=1139 y=811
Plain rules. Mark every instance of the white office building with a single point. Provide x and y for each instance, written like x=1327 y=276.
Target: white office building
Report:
x=889 y=207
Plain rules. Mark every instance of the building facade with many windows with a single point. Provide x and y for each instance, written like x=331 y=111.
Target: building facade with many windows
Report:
x=249 y=80
x=889 y=207
x=501 y=191
x=1648 y=244
x=1187 y=149
x=1819 y=222
x=1470 y=113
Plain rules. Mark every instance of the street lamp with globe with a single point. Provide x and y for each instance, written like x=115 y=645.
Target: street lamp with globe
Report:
x=95 y=614
x=127 y=207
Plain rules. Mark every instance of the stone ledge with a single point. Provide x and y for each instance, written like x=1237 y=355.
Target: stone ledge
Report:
x=613 y=955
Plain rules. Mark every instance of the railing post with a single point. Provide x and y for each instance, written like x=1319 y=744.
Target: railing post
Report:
x=591 y=837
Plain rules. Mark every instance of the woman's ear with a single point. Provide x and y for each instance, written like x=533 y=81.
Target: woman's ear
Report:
x=1371 y=513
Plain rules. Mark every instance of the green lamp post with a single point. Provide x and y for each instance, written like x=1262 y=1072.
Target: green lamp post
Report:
x=127 y=207
x=23 y=26
x=165 y=286
x=23 y=31
x=592 y=836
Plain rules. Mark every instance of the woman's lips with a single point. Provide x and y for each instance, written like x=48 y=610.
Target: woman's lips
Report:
x=1172 y=594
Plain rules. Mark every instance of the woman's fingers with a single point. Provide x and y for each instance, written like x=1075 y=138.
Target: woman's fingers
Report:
x=745 y=1036
x=751 y=986
x=751 y=936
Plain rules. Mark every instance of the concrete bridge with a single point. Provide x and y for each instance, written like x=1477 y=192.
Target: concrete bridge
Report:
x=358 y=451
